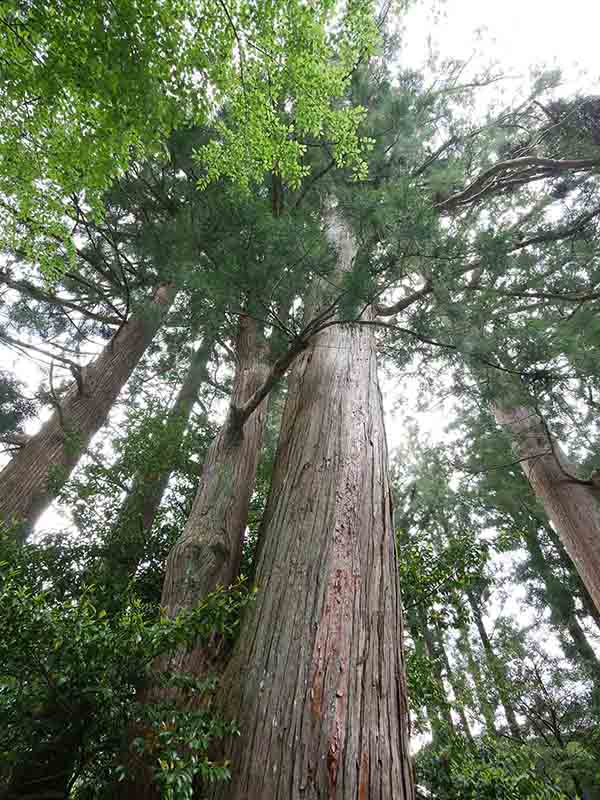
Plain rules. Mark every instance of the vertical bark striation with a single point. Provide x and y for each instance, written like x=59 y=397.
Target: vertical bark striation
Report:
x=317 y=681
x=209 y=550
x=571 y=507
x=29 y=483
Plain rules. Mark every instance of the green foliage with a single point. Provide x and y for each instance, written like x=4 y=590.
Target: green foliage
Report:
x=87 y=87
x=14 y=407
x=502 y=771
x=70 y=673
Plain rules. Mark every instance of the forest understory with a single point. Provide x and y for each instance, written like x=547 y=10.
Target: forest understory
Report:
x=237 y=239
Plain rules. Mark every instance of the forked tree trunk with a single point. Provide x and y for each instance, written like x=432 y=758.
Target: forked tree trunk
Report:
x=317 y=679
x=130 y=534
x=29 y=483
x=572 y=507
x=209 y=550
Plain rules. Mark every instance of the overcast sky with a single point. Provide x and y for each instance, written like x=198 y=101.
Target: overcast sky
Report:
x=516 y=33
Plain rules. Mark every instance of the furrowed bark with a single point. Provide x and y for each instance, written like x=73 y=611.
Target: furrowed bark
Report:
x=208 y=553
x=29 y=483
x=141 y=505
x=317 y=683
x=209 y=550
x=571 y=506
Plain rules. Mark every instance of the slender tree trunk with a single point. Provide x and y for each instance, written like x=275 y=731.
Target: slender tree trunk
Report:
x=29 y=483
x=488 y=709
x=496 y=668
x=432 y=710
x=130 y=534
x=317 y=680
x=434 y=656
x=560 y=601
x=441 y=649
x=571 y=506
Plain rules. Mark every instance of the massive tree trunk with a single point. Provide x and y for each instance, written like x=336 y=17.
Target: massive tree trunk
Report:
x=571 y=506
x=317 y=680
x=29 y=483
x=130 y=534
x=496 y=668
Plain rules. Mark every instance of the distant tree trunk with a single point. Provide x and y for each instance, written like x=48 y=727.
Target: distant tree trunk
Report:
x=29 y=483
x=431 y=647
x=432 y=710
x=488 y=708
x=496 y=668
x=443 y=655
x=130 y=534
x=560 y=601
x=317 y=679
x=572 y=507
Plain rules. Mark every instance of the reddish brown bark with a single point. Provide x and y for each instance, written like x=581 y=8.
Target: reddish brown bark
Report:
x=572 y=507
x=209 y=550
x=317 y=680
x=29 y=483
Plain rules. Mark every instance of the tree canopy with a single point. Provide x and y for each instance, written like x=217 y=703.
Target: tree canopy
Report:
x=216 y=220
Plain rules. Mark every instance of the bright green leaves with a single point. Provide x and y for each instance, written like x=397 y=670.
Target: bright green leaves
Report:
x=86 y=86
x=70 y=672
x=83 y=86
x=503 y=771
x=286 y=91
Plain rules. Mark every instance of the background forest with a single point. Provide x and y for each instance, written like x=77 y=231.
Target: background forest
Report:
x=222 y=224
